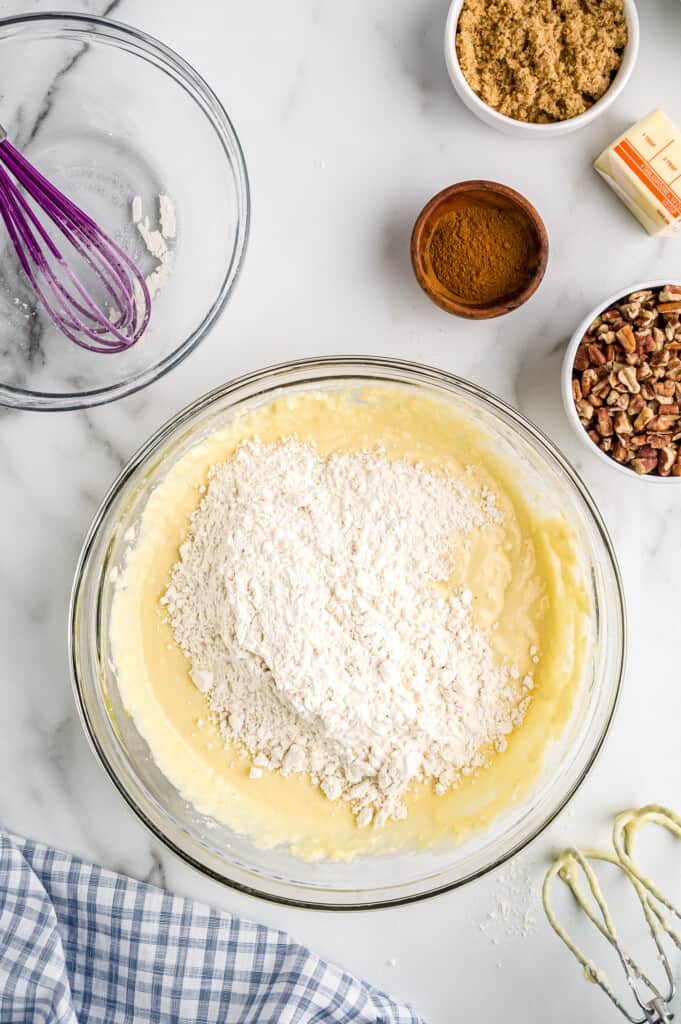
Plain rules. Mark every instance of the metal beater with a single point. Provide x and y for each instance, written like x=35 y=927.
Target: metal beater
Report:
x=573 y=865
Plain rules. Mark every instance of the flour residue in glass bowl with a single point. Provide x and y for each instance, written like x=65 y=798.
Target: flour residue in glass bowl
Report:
x=109 y=133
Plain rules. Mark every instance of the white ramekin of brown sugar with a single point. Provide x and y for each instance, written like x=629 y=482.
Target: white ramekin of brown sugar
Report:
x=529 y=129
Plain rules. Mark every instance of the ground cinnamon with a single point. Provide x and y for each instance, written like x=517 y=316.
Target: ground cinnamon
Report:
x=480 y=253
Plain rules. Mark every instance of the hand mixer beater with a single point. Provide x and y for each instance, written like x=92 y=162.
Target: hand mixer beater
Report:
x=35 y=213
x=574 y=865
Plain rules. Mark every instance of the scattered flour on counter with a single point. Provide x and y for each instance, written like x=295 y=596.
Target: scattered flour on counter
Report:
x=304 y=598
x=518 y=906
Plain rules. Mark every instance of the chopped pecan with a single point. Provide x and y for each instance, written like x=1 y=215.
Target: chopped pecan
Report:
x=626 y=382
x=619 y=452
x=582 y=361
x=604 y=420
x=646 y=317
x=623 y=424
x=660 y=358
x=596 y=355
x=659 y=337
x=629 y=379
x=665 y=460
x=589 y=378
x=644 y=465
x=643 y=419
x=662 y=423
x=585 y=410
x=627 y=338
x=659 y=440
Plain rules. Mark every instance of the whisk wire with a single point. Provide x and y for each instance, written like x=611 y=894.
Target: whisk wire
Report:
x=59 y=303
x=67 y=300
x=79 y=221
x=83 y=225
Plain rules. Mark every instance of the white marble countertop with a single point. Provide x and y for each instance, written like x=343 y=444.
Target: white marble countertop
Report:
x=349 y=124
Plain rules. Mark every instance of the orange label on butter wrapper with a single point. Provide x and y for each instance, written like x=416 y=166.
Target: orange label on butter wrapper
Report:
x=649 y=176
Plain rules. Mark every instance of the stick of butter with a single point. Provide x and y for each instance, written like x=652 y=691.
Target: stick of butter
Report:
x=643 y=167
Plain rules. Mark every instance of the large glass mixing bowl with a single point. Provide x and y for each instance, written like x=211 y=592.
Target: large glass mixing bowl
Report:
x=367 y=881
x=108 y=113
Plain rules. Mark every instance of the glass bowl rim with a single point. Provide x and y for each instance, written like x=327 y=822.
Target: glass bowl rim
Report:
x=363 y=367
x=140 y=44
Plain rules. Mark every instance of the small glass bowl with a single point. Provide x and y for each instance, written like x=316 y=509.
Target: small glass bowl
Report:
x=109 y=113
x=275 y=874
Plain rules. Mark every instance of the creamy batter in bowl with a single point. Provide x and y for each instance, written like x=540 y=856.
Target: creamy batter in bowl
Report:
x=182 y=782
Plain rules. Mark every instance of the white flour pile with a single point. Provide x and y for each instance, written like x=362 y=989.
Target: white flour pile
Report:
x=304 y=598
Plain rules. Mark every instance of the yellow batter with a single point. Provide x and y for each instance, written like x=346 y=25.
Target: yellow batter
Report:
x=528 y=586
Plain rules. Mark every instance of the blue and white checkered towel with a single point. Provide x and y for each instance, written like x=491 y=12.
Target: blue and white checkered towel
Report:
x=83 y=945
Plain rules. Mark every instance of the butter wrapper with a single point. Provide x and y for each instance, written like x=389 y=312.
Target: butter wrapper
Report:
x=643 y=167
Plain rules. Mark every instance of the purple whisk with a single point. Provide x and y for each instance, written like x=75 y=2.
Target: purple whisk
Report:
x=65 y=298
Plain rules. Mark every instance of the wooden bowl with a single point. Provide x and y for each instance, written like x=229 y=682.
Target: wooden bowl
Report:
x=486 y=193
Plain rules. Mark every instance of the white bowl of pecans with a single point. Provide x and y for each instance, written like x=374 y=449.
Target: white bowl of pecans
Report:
x=622 y=381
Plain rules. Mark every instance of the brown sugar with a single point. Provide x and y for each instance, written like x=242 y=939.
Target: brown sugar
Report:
x=480 y=253
x=541 y=60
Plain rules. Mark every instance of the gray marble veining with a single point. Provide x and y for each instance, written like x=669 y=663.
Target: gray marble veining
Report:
x=349 y=124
